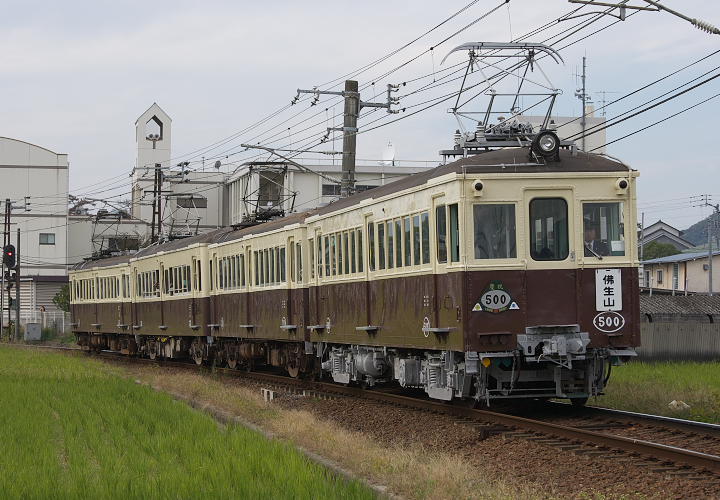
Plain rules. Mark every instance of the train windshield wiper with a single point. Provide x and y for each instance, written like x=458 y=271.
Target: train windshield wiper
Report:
x=593 y=251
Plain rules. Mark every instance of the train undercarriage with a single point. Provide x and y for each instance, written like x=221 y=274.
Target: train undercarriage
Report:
x=550 y=362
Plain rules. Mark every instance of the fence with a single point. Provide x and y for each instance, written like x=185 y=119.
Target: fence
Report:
x=680 y=338
x=53 y=324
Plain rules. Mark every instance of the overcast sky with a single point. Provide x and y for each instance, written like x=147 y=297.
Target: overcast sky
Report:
x=75 y=75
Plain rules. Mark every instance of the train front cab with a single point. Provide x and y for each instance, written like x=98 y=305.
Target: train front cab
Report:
x=551 y=282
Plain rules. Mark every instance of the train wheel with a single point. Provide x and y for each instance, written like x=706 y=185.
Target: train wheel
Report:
x=579 y=402
x=232 y=363
x=196 y=352
x=293 y=370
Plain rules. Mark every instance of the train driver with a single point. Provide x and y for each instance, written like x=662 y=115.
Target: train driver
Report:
x=594 y=247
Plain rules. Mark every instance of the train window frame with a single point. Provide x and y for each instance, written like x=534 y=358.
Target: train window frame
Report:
x=425 y=239
x=441 y=233
x=454 y=236
x=543 y=230
x=603 y=220
x=381 y=245
x=360 y=252
x=512 y=250
x=371 y=246
x=390 y=235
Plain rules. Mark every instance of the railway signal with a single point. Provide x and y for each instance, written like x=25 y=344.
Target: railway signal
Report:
x=9 y=256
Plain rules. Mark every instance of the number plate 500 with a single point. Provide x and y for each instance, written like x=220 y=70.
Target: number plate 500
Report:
x=609 y=321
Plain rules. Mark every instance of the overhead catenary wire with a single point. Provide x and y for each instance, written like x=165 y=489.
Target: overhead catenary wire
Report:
x=684 y=110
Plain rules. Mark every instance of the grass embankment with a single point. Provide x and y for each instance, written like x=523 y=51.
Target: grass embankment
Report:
x=650 y=387
x=72 y=428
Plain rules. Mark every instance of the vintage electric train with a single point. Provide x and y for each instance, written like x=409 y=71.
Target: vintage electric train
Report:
x=491 y=277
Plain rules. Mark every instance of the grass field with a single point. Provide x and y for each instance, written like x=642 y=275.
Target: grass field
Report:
x=649 y=387
x=70 y=427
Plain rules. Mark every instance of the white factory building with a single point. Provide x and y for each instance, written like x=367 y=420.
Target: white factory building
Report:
x=35 y=179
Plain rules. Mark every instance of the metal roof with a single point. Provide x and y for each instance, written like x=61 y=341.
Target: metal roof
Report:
x=680 y=304
x=680 y=257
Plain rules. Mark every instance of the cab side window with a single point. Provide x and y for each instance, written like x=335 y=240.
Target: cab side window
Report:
x=494 y=227
x=549 y=229
x=603 y=229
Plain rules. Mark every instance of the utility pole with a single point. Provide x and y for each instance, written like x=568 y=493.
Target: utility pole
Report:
x=17 y=287
x=710 y=223
x=353 y=105
x=350 y=116
x=156 y=226
x=6 y=242
x=582 y=95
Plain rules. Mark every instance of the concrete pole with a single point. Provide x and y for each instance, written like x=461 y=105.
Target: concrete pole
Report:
x=350 y=117
x=710 y=255
x=583 y=121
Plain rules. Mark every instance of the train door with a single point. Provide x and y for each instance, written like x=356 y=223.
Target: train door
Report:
x=434 y=291
x=212 y=317
x=551 y=276
x=289 y=296
x=314 y=292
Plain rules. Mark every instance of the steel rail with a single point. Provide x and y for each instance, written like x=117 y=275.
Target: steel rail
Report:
x=631 y=416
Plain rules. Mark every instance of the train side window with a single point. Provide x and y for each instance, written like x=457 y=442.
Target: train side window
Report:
x=454 y=233
x=311 y=260
x=342 y=257
x=327 y=256
x=549 y=229
x=361 y=256
x=425 y=222
x=416 y=239
x=282 y=265
x=390 y=245
x=319 y=256
x=494 y=227
x=242 y=271
x=333 y=256
x=441 y=233
x=603 y=229
x=353 y=251
x=407 y=242
x=398 y=243
x=299 y=262
x=346 y=249
x=198 y=265
x=371 y=246
x=381 y=245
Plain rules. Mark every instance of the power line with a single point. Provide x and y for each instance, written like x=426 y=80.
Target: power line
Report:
x=660 y=121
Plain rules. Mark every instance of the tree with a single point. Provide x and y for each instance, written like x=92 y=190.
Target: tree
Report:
x=655 y=250
x=62 y=298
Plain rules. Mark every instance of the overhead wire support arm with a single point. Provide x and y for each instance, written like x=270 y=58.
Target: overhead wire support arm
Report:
x=656 y=7
x=290 y=161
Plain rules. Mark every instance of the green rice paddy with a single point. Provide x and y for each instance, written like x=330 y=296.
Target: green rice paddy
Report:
x=71 y=428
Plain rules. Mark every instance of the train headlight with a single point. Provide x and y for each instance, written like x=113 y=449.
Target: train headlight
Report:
x=478 y=188
x=621 y=186
x=486 y=362
x=546 y=143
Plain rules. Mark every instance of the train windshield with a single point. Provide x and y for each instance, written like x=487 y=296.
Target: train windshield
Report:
x=549 y=229
x=494 y=231
x=603 y=228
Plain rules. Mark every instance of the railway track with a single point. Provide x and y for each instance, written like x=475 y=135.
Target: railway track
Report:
x=591 y=431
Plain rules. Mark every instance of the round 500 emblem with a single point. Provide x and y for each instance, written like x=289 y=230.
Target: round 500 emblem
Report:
x=495 y=299
x=609 y=321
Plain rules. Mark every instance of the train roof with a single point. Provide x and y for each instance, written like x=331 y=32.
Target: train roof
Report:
x=510 y=160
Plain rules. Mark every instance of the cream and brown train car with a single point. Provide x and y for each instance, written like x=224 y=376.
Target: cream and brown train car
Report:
x=490 y=277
